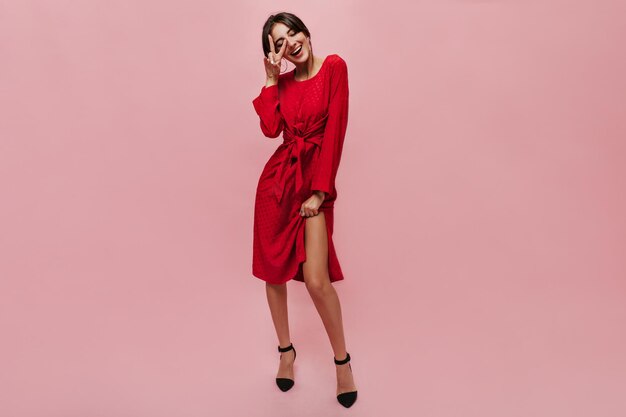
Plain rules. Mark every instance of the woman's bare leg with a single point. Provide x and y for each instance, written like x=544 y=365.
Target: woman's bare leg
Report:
x=324 y=296
x=277 y=300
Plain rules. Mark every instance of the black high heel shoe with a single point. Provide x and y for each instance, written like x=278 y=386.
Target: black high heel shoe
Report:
x=285 y=384
x=346 y=398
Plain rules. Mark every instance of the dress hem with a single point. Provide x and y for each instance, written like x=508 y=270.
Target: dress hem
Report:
x=298 y=275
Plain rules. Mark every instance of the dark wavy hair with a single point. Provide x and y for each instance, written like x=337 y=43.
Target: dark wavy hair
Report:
x=288 y=19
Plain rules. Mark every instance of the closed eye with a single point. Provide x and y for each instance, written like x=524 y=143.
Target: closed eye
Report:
x=281 y=44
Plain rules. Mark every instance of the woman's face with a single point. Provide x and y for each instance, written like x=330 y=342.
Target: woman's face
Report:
x=296 y=42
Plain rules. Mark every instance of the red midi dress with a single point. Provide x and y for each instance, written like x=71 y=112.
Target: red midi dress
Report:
x=312 y=115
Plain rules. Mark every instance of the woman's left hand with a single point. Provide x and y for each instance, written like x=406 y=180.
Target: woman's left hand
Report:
x=312 y=204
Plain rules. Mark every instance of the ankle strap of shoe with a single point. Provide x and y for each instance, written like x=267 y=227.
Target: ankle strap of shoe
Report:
x=286 y=349
x=341 y=362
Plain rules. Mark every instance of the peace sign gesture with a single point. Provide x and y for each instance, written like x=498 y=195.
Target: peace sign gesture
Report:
x=273 y=60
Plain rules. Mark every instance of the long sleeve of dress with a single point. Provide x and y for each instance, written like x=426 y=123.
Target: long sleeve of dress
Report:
x=267 y=106
x=335 y=130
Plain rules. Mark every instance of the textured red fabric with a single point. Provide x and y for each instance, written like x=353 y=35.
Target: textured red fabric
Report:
x=312 y=114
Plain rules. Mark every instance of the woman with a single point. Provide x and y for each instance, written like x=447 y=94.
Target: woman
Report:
x=293 y=215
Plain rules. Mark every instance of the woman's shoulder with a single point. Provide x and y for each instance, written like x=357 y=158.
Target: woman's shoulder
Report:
x=337 y=66
x=336 y=59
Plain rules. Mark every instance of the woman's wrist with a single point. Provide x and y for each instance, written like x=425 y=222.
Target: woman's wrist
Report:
x=270 y=81
x=320 y=194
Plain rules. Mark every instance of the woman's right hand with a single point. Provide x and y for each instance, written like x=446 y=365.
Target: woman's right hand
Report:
x=273 y=60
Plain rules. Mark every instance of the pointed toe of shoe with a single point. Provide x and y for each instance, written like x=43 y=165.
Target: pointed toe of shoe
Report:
x=284 y=384
x=347 y=398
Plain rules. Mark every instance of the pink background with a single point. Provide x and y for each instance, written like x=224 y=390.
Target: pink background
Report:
x=480 y=222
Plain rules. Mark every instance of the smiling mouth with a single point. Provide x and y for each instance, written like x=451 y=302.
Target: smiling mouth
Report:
x=297 y=51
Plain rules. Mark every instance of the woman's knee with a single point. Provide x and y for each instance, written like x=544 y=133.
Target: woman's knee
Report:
x=317 y=283
x=275 y=287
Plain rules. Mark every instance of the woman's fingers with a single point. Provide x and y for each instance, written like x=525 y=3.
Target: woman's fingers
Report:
x=271 y=69
x=307 y=211
x=273 y=59
x=283 y=48
x=272 y=54
x=275 y=62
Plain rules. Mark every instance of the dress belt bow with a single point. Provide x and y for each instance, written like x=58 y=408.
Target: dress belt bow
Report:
x=295 y=137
